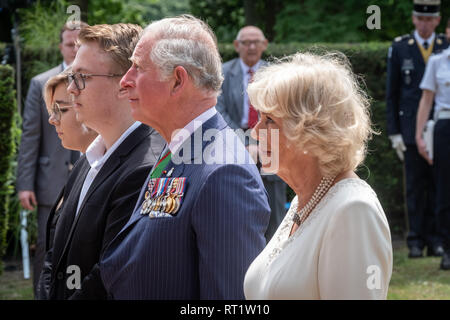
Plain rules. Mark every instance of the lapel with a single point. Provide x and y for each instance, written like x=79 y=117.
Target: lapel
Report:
x=416 y=54
x=51 y=217
x=67 y=213
x=216 y=122
x=108 y=168
x=237 y=91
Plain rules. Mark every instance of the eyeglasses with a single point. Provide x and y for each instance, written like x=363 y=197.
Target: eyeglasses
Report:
x=79 y=78
x=57 y=110
x=248 y=43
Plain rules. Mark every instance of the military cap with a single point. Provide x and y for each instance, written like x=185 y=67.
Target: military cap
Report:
x=429 y=8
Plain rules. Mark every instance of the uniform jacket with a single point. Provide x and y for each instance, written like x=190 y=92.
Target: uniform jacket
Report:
x=231 y=100
x=404 y=74
x=204 y=250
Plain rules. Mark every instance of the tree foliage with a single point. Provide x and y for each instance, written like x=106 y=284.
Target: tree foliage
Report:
x=140 y=12
x=310 y=20
x=225 y=17
x=8 y=139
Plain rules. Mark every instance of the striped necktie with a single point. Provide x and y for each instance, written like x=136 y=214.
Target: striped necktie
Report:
x=162 y=163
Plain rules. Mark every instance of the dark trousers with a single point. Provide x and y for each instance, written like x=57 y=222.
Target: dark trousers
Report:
x=38 y=260
x=441 y=166
x=420 y=197
x=276 y=190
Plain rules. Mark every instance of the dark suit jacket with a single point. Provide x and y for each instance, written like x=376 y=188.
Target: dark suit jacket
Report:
x=230 y=105
x=43 y=164
x=231 y=100
x=404 y=73
x=79 y=240
x=204 y=250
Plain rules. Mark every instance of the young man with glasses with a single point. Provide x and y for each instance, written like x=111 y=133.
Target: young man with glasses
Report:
x=236 y=109
x=104 y=185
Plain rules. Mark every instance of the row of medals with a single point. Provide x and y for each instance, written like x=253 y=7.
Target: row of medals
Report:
x=167 y=202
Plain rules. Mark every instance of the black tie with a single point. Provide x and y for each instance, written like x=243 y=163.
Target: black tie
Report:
x=425 y=45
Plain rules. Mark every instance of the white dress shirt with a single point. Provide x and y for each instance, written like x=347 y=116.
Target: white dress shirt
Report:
x=182 y=135
x=422 y=40
x=97 y=155
x=245 y=80
x=437 y=79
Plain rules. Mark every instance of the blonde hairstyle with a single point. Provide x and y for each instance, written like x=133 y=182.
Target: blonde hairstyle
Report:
x=52 y=83
x=321 y=105
x=117 y=40
x=188 y=42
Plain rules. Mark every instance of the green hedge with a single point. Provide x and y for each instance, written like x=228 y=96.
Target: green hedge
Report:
x=2 y=49
x=8 y=135
x=382 y=169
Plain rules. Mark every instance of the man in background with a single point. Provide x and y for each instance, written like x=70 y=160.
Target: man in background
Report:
x=407 y=58
x=43 y=164
x=236 y=109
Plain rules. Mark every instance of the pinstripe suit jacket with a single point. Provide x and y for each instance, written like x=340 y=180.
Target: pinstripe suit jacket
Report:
x=204 y=251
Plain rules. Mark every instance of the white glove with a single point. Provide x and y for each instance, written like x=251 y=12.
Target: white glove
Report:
x=398 y=145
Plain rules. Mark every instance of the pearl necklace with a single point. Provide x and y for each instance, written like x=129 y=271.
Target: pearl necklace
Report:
x=321 y=190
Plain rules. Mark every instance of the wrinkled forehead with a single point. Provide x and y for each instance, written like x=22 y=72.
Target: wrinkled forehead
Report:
x=141 y=53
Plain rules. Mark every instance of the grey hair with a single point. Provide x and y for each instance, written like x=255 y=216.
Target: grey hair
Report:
x=188 y=42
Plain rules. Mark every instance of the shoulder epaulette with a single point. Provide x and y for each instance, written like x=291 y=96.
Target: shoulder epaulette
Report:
x=441 y=38
x=403 y=37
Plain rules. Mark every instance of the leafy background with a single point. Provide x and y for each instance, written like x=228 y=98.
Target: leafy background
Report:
x=290 y=25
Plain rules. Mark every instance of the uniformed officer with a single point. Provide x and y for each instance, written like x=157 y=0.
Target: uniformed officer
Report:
x=436 y=86
x=407 y=58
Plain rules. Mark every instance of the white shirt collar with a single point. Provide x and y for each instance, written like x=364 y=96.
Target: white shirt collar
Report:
x=245 y=67
x=65 y=65
x=422 y=40
x=96 y=153
x=182 y=135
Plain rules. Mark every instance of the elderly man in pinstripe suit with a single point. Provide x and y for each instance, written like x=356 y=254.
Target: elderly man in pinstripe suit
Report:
x=198 y=223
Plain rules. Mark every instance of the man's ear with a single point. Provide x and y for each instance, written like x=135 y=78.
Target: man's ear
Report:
x=265 y=44
x=60 y=46
x=180 y=77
